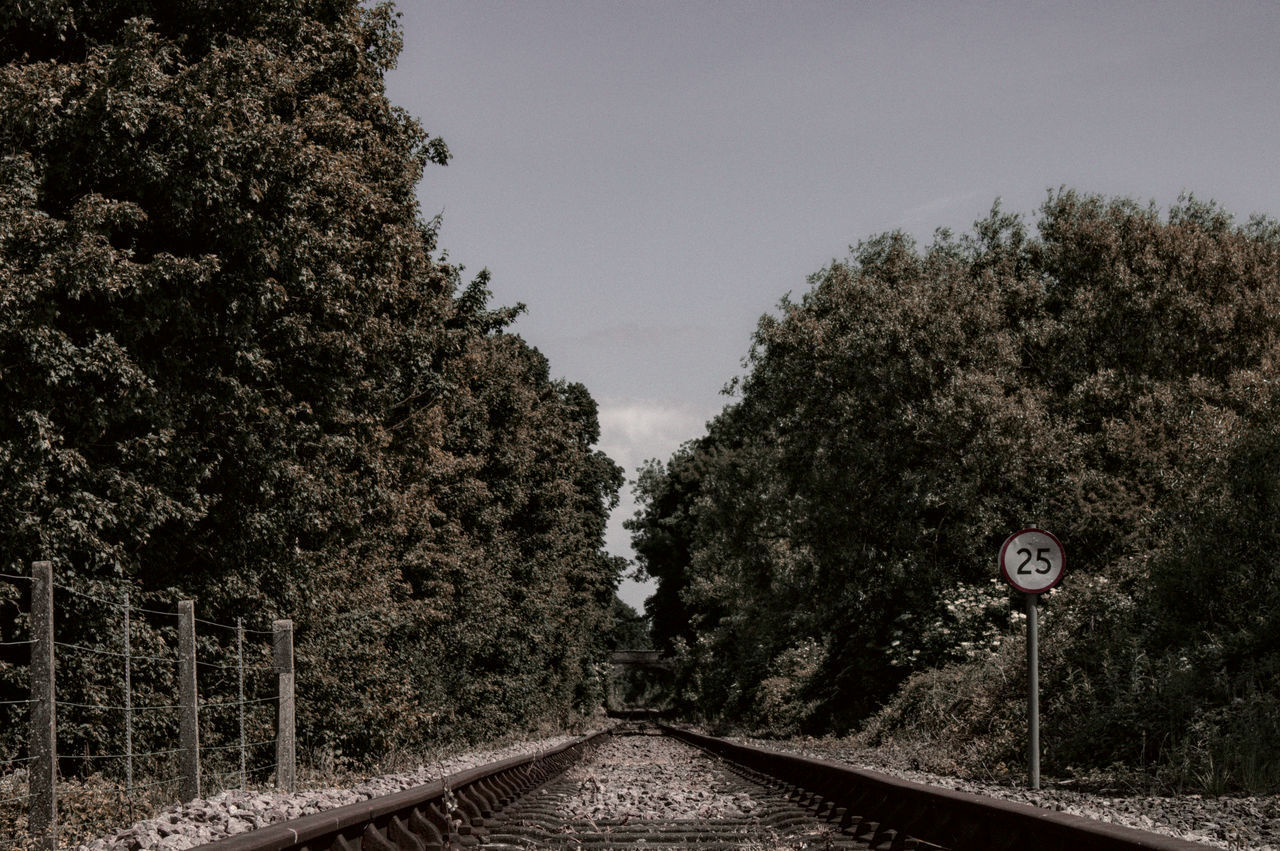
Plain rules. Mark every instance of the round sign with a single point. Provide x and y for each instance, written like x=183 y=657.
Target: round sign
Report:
x=1032 y=560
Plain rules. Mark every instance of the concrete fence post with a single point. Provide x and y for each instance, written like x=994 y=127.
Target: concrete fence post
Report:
x=240 y=703
x=43 y=815
x=128 y=707
x=188 y=701
x=282 y=651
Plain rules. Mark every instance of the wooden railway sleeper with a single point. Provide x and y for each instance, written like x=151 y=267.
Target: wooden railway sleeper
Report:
x=891 y=828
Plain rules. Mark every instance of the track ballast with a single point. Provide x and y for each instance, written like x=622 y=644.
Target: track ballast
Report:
x=655 y=792
x=638 y=786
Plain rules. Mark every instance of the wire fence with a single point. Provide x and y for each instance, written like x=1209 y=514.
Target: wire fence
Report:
x=138 y=698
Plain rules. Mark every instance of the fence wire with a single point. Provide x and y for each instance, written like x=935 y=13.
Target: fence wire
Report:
x=248 y=669
x=112 y=603
x=117 y=708
x=173 y=660
x=231 y=628
x=236 y=747
x=224 y=661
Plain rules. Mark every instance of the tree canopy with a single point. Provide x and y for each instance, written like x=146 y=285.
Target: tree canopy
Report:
x=1104 y=377
x=236 y=367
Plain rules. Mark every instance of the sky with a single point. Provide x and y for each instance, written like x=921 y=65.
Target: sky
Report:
x=650 y=177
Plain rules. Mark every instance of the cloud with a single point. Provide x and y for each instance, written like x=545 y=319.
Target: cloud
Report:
x=631 y=432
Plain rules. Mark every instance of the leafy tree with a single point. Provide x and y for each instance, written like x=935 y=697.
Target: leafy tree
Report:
x=234 y=368
x=835 y=528
x=630 y=628
x=664 y=535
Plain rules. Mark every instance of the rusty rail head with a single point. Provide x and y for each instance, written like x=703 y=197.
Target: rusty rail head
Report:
x=941 y=817
x=423 y=816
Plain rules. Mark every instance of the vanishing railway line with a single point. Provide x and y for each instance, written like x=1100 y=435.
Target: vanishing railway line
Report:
x=697 y=791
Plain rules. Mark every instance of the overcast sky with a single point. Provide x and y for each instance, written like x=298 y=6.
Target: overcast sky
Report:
x=651 y=177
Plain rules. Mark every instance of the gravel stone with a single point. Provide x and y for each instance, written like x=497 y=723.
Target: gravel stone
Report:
x=233 y=812
x=646 y=777
x=639 y=778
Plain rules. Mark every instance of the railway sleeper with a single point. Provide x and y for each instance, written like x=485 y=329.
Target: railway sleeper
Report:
x=520 y=803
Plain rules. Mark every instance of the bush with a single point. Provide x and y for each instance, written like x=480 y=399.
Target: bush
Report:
x=784 y=702
x=964 y=717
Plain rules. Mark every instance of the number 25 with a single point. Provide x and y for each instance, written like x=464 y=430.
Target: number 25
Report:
x=1040 y=557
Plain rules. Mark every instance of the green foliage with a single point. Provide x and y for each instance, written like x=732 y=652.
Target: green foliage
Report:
x=234 y=369
x=962 y=718
x=969 y=622
x=630 y=630
x=1108 y=377
x=781 y=706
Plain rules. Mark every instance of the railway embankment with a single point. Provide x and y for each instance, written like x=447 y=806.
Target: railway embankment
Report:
x=664 y=786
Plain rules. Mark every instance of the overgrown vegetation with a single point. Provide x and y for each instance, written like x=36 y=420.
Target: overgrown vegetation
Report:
x=1110 y=376
x=235 y=367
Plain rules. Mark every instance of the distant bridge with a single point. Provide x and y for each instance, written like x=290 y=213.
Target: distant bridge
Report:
x=641 y=682
x=639 y=659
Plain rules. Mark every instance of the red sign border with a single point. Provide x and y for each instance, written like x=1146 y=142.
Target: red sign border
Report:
x=1061 y=549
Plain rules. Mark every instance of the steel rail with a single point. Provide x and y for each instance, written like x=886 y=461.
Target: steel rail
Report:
x=424 y=818
x=890 y=813
x=880 y=811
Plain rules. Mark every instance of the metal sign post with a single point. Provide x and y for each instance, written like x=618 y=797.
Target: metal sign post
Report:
x=1032 y=561
x=1033 y=691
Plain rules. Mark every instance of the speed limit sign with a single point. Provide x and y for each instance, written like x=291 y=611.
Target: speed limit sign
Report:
x=1032 y=560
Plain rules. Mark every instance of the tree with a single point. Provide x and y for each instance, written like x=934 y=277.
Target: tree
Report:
x=914 y=407
x=234 y=367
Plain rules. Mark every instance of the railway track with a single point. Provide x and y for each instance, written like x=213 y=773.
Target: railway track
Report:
x=640 y=786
